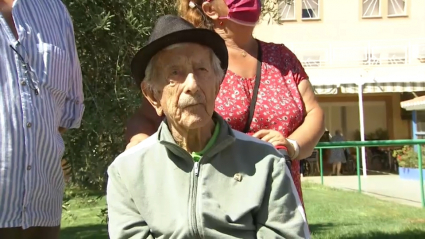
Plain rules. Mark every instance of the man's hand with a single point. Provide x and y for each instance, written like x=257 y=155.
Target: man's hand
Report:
x=62 y=130
x=276 y=138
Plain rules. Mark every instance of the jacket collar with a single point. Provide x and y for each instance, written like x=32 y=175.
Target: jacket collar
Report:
x=225 y=138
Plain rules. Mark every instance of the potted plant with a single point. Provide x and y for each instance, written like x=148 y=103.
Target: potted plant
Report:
x=407 y=159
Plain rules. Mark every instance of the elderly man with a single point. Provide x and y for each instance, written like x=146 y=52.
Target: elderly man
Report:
x=196 y=177
x=40 y=97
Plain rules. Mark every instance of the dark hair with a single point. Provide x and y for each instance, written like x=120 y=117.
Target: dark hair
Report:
x=194 y=15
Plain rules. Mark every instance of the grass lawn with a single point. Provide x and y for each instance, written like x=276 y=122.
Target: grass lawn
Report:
x=331 y=213
x=82 y=218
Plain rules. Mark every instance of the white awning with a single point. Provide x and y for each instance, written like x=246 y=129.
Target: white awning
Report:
x=375 y=80
x=385 y=87
x=325 y=89
x=414 y=104
x=327 y=81
x=397 y=78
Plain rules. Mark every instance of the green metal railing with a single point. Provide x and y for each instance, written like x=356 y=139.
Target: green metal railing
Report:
x=375 y=143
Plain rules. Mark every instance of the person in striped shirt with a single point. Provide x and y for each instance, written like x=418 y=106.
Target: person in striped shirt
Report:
x=40 y=97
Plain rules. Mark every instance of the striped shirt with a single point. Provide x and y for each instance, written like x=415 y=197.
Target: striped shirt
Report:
x=40 y=91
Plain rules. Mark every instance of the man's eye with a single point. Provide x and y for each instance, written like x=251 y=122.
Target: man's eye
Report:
x=202 y=69
x=171 y=82
x=174 y=73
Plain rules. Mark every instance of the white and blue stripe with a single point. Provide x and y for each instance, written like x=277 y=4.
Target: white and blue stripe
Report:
x=31 y=178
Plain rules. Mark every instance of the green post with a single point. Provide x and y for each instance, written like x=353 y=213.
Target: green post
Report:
x=359 y=180
x=321 y=164
x=421 y=176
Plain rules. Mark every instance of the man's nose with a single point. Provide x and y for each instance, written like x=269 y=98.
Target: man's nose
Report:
x=191 y=86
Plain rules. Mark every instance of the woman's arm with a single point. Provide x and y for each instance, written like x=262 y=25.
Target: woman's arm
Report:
x=143 y=124
x=311 y=130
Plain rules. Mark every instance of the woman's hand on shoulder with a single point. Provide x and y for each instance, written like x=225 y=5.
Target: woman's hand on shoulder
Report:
x=135 y=140
x=276 y=138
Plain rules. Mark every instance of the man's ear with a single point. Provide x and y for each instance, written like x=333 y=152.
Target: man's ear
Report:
x=150 y=96
x=209 y=10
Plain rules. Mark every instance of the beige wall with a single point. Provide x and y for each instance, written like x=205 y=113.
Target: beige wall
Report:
x=380 y=111
x=341 y=20
x=402 y=128
x=374 y=111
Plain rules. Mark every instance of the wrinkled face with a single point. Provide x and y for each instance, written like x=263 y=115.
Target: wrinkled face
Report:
x=185 y=85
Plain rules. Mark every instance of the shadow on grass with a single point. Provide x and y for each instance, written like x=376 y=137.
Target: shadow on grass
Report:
x=101 y=232
x=382 y=195
x=410 y=234
x=321 y=227
x=85 y=232
x=80 y=193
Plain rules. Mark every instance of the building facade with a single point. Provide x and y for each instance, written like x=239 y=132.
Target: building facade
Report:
x=363 y=58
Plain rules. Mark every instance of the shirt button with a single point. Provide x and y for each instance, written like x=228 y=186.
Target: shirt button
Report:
x=29 y=167
x=29 y=125
x=24 y=83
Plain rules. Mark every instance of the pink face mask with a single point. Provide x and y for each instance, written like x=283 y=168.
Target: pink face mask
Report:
x=243 y=12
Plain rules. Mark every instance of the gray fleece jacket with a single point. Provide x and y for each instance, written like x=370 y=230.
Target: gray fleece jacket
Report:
x=240 y=188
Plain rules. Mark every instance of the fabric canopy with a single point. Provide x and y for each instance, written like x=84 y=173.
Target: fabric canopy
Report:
x=417 y=103
x=375 y=80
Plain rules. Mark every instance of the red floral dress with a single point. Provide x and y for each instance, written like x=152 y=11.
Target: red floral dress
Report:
x=279 y=104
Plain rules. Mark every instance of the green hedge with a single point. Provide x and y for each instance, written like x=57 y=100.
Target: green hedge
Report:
x=108 y=33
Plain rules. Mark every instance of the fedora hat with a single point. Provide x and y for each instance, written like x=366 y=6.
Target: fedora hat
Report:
x=169 y=30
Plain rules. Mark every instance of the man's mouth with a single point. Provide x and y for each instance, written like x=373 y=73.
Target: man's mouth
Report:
x=192 y=105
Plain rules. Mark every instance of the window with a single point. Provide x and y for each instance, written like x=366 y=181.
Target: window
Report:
x=311 y=61
x=371 y=8
x=418 y=52
x=397 y=58
x=310 y=9
x=396 y=7
x=421 y=53
x=287 y=10
x=372 y=59
x=420 y=121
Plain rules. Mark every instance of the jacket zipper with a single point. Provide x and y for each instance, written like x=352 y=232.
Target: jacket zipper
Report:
x=194 y=199
x=196 y=169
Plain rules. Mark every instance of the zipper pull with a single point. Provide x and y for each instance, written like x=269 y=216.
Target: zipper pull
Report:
x=196 y=169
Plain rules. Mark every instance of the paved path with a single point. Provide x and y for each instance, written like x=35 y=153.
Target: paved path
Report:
x=386 y=187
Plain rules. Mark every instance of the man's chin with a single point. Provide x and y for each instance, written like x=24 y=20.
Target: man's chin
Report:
x=195 y=121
